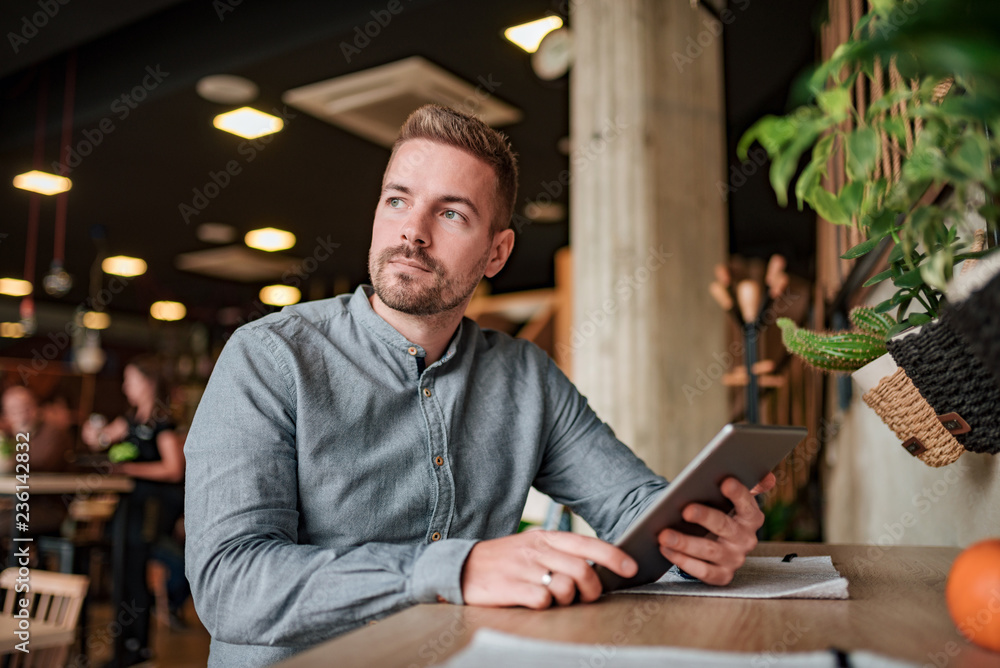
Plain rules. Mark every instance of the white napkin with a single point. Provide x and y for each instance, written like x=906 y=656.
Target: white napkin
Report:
x=760 y=577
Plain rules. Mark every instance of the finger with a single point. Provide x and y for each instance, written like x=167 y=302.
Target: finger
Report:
x=577 y=570
x=765 y=485
x=704 y=549
x=747 y=510
x=712 y=574
x=588 y=548
x=562 y=588
x=533 y=596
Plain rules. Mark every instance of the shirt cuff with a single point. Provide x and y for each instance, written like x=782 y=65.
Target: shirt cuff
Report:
x=438 y=571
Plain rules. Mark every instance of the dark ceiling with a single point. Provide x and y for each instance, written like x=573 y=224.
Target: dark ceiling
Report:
x=312 y=178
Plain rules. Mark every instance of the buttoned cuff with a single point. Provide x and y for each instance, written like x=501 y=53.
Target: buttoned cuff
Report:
x=438 y=571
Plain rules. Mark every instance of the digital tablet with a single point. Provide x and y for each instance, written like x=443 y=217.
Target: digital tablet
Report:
x=742 y=451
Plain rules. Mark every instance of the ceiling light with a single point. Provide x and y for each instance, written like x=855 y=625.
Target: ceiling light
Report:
x=168 y=311
x=280 y=295
x=96 y=320
x=15 y=287
x=269 y=239
x=545 y=212
x=227 y=89
x=42 y=183
x=11 y=330
x=248 y=123
x=529 y=35
x=216 y=233
x=123 y=265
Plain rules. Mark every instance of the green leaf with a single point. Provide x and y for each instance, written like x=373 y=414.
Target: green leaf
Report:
x=972 y=157
x=897 y=328
x=829 y=207
x=835 y=102
x=919 y=318
x=862 y=248
x=850 y=197
x=773 y=132
x=810 y=177
x=862 y=151
x=878 y=278
x=886 y=306
x=909 y=279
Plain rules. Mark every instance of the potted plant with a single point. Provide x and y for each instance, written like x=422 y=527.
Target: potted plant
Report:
x=919 y=165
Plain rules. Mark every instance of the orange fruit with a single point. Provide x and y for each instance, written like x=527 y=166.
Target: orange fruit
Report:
x=973 y=593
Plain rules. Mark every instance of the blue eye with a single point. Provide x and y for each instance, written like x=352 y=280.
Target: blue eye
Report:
x=452 y=215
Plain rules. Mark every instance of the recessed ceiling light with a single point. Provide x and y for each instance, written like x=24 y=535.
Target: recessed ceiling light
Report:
x=248 y=123
x=216 y=233
x=280 y=295
x=96 y=320
x=529 y=35
x=42 y=183
x=545 y=212
x=11 y=330
x=227 y=89
x=15 y=287
x=269 y=239
x=168 y=311
x=123 y=265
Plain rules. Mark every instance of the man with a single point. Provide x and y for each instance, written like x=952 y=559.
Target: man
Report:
x=358 y=455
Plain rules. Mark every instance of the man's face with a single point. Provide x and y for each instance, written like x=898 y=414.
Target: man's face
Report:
x=431 y=240
x=19 y=407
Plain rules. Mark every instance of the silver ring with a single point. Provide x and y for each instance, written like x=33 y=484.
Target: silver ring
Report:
x=547 y=579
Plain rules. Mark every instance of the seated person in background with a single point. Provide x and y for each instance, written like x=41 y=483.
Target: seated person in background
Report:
x=157 y=502
x=50 y=445
x=358 y=455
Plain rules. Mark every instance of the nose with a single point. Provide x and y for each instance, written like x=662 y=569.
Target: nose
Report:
x=417 y=228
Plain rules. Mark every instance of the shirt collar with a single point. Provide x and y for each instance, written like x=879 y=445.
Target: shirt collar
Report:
x=361 y=309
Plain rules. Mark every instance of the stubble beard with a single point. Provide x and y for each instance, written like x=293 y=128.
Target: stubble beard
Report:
x=408 y=294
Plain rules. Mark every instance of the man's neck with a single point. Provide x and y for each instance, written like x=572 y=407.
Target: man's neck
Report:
x=430 y=332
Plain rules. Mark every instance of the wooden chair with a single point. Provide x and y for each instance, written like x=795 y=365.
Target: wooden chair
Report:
x=54 y=606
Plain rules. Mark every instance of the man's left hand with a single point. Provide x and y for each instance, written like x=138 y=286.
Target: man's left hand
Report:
x=715 y=560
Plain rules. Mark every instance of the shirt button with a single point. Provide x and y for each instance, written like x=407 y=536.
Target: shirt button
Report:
x=427 y=392
x=439 y=460
x=435 y=536
x=412 y=350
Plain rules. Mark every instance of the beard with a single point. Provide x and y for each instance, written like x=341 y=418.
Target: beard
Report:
x=412 y=294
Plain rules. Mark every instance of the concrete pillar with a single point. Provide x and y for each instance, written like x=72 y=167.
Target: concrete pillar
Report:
x=648 y=222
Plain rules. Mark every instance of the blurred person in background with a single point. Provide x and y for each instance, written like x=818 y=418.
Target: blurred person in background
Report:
x=47 y=430
x=157 y=502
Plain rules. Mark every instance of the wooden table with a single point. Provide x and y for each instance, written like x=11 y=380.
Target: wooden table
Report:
x=85 y=484
x=43 y=635
x=896 y=608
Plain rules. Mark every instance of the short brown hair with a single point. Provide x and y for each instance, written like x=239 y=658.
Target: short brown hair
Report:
x=470 y=134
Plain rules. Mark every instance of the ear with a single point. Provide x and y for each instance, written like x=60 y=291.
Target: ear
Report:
x=502 y=245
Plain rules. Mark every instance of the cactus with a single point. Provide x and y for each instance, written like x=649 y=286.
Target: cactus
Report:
x=839 y=351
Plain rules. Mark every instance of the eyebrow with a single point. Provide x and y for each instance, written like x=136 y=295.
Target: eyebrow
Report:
x=457 y=199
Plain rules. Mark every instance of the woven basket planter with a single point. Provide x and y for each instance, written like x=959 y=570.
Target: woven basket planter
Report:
x=895 y=399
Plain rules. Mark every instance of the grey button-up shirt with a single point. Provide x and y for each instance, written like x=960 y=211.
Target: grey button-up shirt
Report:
x=332 y=479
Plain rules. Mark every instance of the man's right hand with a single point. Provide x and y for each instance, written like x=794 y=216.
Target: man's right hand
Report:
x=510 y=571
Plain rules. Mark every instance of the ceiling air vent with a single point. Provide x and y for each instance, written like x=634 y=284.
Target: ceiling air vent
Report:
x=375 y=102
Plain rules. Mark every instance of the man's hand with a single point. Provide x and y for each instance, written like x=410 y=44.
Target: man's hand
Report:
x=715 y=560
x=509 y=571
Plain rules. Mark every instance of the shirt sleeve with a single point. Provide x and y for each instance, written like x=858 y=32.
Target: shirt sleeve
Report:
x=586 y=467
x=251 y=580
